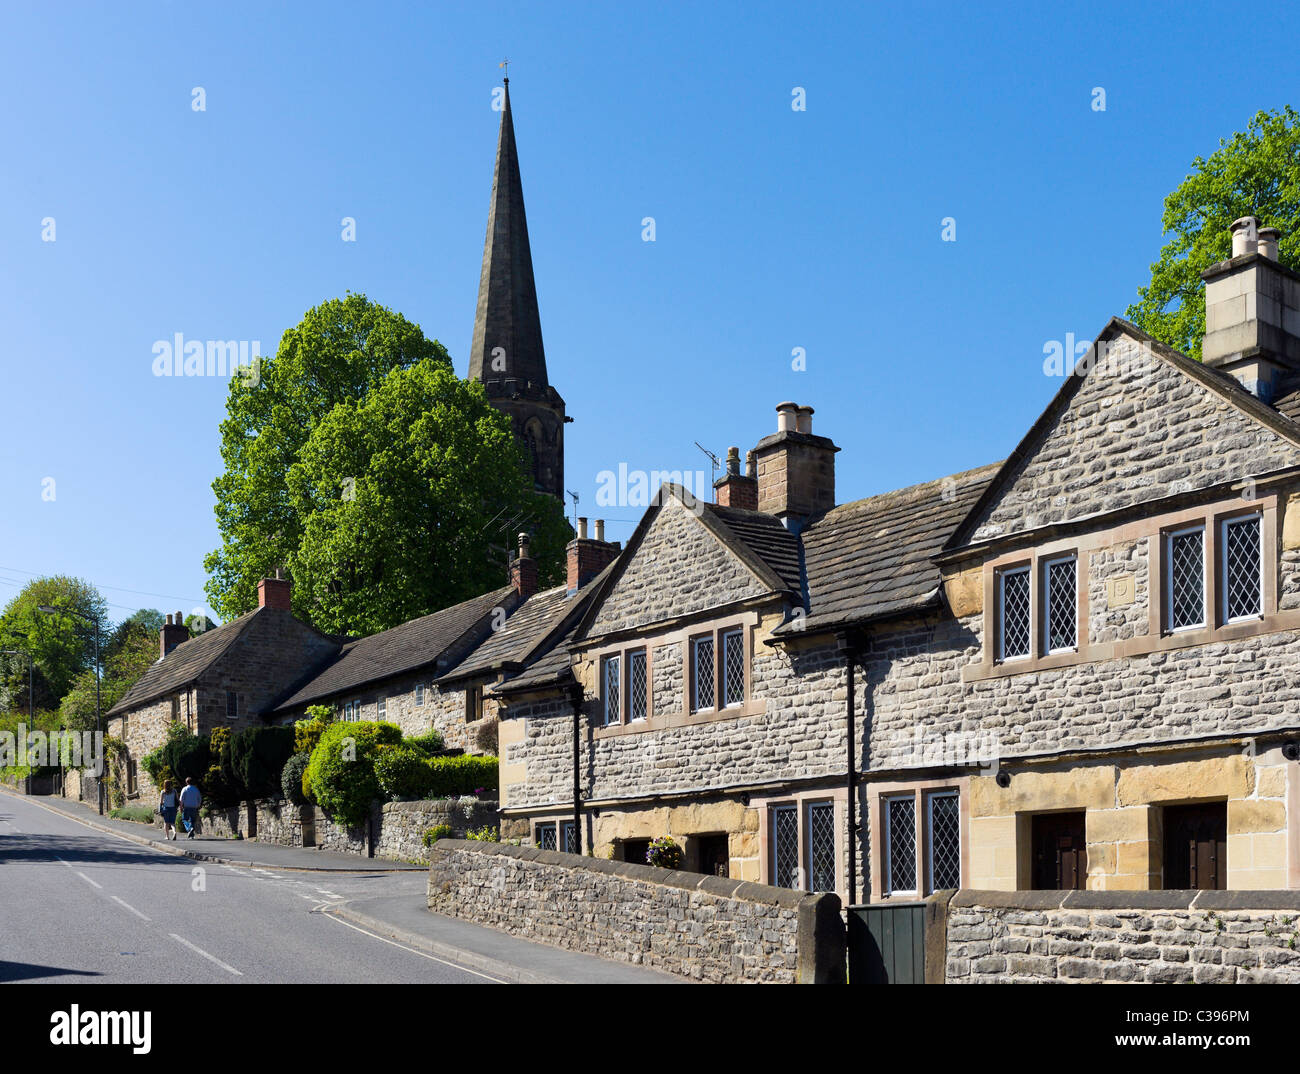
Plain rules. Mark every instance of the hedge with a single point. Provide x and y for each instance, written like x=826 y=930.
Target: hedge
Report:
x=341 y=772
x=405 y=772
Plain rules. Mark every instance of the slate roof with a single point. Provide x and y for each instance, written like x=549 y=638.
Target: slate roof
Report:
x=765 y=537
x=185 y=663
x=392 y=652
x=871 y=558
x=524 y=628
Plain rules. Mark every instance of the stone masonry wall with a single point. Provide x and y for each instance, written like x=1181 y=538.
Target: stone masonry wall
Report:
x=702 y=927
x=1206 y=937
x=1143 y=432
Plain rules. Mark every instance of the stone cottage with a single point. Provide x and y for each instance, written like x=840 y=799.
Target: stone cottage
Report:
x=1076 y=667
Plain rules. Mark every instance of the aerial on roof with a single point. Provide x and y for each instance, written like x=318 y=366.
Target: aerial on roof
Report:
x=404 y=648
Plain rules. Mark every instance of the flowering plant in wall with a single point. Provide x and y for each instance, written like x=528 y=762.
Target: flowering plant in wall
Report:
x=664 y=853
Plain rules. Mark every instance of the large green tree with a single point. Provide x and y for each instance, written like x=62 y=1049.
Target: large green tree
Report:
x=358 y=460
x=131 y=648
x=61 y=643
x=1254 y=173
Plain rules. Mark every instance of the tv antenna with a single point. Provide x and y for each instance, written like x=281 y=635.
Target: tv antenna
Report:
x=575 y=508
x=714 y=461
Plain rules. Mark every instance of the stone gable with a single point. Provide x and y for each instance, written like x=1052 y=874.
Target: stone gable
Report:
x=680 y=569
x=1137 y=430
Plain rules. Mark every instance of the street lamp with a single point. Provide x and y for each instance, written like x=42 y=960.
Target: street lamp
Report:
x=49 y=609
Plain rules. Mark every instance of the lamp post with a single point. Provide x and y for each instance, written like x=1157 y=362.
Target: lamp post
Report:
x=49 y=609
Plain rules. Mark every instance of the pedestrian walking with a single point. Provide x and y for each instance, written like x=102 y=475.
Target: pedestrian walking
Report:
x=190 y=799
x=167 y=803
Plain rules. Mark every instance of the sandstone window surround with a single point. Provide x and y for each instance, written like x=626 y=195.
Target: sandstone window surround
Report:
x=545 y=836
x=1217 y=520
x=1039 y=610
x=919 y=835
x=731 y=692
x=802 y=839
x=625 y=686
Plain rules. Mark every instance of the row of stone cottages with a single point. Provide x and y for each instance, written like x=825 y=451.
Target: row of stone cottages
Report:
x=1077 y=667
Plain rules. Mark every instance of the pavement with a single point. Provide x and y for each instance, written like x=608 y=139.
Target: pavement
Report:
x=377 y=926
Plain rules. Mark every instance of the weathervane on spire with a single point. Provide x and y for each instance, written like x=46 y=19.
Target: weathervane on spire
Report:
x=506 y=64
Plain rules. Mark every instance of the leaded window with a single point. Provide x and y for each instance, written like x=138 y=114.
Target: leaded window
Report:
x=900 y=845
x=637 y=684
x=232 y=705
x=1013 y=613
x=1242 y=594
x=613 y=691
x=546 y=836
x=570 y=844
x=702 y=674
x=1061 y=608
x=945 y=841
x=821 y=846
x=419 y=693
x=785 y=846
x=381 y=708
x=1185 y=578
x=733 y=667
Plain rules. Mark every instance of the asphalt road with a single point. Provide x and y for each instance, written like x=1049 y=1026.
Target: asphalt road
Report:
x=77 y=905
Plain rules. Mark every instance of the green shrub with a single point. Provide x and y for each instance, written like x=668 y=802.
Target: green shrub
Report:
x=430 y=743
x=486 y=834
x=341 y=773
x=463 y=775
x=258 y=756
x=142 y=814
x=155 y=764
x=186 y=754
x=403 y=771
x=307 y=732
x=664 y=853
x=438 y=831
x=291 y=778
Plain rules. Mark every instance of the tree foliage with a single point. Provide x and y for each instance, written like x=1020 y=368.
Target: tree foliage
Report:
x=1254 y=173
x=61 y=643
x=341 y=772
x=364 y=465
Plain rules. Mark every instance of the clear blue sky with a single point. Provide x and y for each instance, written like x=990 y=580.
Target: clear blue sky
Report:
x=776 y=229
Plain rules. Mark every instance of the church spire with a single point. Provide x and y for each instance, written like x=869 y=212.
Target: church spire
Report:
x=507 y=326
x=506 y=354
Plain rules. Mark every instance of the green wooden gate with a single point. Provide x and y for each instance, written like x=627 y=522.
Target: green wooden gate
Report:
x=887 y=943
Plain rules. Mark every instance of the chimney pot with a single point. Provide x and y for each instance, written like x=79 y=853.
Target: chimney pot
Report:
x=803 y=419
x=795 y=474
x=1268 y=239
x=1245 y=235
x=600 y=529
x=786 y=417
x=582 y=528
x=751 y=467
x=733 y=461
x=523 y=570
x=587 y=558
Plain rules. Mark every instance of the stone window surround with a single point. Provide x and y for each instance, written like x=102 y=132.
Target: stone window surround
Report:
x=877 y=793
x=622 y=653
x=801 y=800
x=559 y=822
x=1157 y=639
x=748 y=621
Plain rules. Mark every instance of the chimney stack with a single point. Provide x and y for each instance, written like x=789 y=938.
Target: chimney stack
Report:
x=523 y=570
x=275 y=593
x=734 y=489
x=587 y=558
x=1252 y=312
x=172 y=634
x=796 y=469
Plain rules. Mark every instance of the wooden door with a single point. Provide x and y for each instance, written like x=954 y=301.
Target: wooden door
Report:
x=714 y=856
x=1196 y=846
x=1060 y=852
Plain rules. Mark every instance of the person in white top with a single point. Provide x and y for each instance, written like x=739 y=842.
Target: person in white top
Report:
x=190 y=799
x=167 y=803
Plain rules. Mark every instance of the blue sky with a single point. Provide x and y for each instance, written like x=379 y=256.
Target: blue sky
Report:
x=775 y=229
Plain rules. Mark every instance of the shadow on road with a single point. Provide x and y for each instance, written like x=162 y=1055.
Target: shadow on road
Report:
x=27 y=971
x=91 y=849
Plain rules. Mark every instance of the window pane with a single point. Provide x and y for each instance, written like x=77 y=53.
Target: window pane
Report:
x=636 y=676
x=785 y=847
x=1015 y=612
x=900 y=843
x=546 y=836
x=1241 y=568
x=821 y=846
x=419 y=694
x=733 y=667
x=1062 y=609
x=567 y=829
x=702 y=674
x=613 y=692
x=1186 y=579
x=945 y=842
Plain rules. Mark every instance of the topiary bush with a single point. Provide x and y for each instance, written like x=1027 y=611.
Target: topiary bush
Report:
x=291 y=778
x=186 y=754
x=341 y=773
x=403 y=771
x=258 y=756
x=430 y=743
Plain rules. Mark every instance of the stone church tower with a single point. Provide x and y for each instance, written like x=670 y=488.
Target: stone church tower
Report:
x=507 y=354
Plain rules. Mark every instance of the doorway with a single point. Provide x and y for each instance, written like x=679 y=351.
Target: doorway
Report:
x=1196 y=846
x=1060 y=852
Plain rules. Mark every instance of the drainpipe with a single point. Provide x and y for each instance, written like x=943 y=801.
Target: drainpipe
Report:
x=850 y=651
x=575 y=699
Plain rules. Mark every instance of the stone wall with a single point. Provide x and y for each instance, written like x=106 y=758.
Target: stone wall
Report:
x=1206 y=937
x=702 y=927
x=398 y=827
